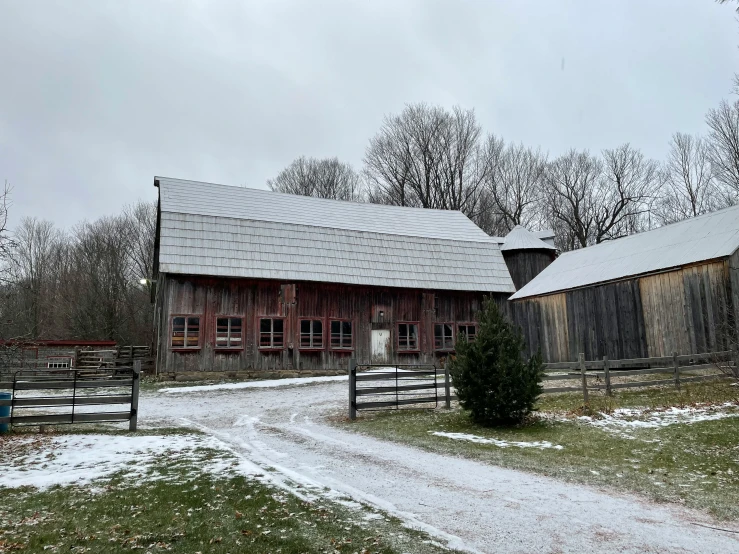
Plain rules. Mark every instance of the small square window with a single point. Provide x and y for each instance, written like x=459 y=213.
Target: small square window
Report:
x=443 y=336
x=271 y=333
x=407 y=336
x=229 y=332
x=185 y=332
x=341 y=335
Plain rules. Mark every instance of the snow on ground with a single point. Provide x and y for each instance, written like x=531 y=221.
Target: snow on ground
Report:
x=631 y=418
x=81 y=459
x=267 y=383
x=271 y=383
x=502 y=444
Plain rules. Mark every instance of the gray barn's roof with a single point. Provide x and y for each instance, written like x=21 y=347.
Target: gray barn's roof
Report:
x=521 y=238
x=702 y=238
x=208 y=229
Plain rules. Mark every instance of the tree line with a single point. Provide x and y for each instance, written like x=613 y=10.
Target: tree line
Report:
x=82 y=283
x=431 y=157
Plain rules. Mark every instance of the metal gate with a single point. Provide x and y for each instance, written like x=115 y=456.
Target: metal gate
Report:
x=378 y=386
x=41 y=397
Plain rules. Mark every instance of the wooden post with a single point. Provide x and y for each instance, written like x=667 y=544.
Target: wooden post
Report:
x=447 y=384
x=581 y=359
x=607 y=371
x=735 y=356
x=135 y=396
x=353 y=389
x=676 y=370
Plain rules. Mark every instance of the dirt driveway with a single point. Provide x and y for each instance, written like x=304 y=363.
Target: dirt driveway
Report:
x=465 y=504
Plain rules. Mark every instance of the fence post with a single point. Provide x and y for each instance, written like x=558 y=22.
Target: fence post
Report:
x=736 y=364
x=607 y=371
x=581 y=359
x=353 y=389
x=135 y=396
x=447 y=384
x=676 y=370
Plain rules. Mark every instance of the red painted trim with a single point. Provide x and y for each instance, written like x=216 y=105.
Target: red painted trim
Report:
x=341 y=348
x=44 y=342
x=215 y=318
x=454 y=333
x=323 y=334
x=201 y=333
x=261 y=348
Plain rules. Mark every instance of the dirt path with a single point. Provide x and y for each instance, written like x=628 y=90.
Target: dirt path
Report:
x=466 y=504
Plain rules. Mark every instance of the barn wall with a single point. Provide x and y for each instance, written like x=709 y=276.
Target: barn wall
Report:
x=524 y=265
x=689 y=310
x=369 y=308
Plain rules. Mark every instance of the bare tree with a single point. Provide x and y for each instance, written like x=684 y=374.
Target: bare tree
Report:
x=514 y=181
x=624 y=194
x=569 y=188
x=327 y=178
x=427 y=157
x=5 y=241
x=689 y=187
x=723 y=144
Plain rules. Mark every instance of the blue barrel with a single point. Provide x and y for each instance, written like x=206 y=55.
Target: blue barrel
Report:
x=5 y=411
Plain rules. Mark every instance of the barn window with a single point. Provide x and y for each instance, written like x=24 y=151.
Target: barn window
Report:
x=443 y=336
x=468 y=331
x=229 y=332
x=185 y=331
x=311 y=333
x=407 y=336
x=271 y=333
x=341 y=335
x=59 y=362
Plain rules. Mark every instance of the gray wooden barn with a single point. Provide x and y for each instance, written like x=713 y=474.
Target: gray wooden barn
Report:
x=672 y=289
x=256 y=280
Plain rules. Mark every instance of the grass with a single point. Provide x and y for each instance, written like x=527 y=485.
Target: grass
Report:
x=177 y=507
x=692 y=464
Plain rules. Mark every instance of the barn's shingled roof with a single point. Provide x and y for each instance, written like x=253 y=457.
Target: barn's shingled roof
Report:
x=702 y=238
x=226 y=231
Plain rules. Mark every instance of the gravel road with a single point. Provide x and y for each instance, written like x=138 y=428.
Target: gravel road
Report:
x=466 y=504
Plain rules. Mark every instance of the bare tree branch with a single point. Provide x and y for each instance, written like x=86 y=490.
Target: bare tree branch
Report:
x=328 y=178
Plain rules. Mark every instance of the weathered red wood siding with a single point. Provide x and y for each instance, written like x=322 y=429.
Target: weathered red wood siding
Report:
x=253 y=299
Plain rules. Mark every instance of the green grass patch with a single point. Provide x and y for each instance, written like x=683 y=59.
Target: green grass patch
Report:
x=695 y=464
x=175 y=507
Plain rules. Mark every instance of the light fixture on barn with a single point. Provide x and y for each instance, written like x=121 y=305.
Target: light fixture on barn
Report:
x=145 y=281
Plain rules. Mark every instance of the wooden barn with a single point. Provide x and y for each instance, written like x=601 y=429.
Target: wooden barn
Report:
x=249 y=279
x=672 y=289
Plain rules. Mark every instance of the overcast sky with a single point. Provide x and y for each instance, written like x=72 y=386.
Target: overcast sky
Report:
x=98 y=97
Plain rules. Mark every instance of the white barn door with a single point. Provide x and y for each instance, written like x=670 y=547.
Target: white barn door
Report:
x=380 y=346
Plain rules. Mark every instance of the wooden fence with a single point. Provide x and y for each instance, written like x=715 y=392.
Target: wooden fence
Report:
x=607 y=375
x=43 y=397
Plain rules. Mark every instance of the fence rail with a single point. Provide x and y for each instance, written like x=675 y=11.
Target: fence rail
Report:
x=54 y=390
x=377 y=386
x=580 y=376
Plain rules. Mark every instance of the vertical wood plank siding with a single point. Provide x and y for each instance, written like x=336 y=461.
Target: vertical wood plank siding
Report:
x=688 y=310
x=524 y=265
x=367 y=308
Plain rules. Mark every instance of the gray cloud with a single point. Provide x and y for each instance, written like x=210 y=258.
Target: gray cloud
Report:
x=98 y=97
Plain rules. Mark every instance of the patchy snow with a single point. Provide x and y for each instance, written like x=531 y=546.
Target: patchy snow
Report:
x=267 y=383
x=291 y=434
x=80 y=459
x=502 y=444
x=634 y=418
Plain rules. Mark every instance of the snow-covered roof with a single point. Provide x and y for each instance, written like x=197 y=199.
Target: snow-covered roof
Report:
x=210 y=229
x=521 y=238
x=702 y=238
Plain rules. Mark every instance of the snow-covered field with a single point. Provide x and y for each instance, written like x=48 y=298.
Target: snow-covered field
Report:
x=631 y=418
x=81 y=459
x=496 y=442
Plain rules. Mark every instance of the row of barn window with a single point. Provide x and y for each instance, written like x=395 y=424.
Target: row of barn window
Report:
x=186 y=334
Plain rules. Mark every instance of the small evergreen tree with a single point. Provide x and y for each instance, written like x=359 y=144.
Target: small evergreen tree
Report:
x=492 y=380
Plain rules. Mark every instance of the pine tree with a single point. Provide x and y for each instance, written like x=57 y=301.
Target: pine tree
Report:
x=492 y=380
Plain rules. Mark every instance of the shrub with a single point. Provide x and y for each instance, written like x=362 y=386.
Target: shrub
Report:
x=492 y=380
